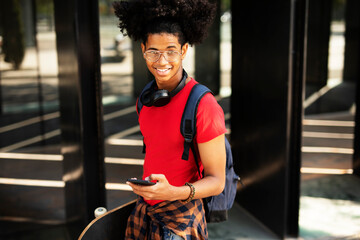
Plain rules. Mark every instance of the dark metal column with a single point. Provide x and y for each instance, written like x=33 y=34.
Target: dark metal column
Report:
x=319 y=21
x=351 y=67
x=77 y=39
x=356 y=159
x=266 y=108
x=207 y=57
x=352 y=41
x=141 y=74
x=297 y=70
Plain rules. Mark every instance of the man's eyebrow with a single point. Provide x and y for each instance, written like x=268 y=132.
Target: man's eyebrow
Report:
x=168 y=47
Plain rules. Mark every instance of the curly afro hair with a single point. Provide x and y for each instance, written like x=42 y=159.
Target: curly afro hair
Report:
x=187 y=19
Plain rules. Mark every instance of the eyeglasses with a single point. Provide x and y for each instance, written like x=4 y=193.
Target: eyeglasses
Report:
x=154 y=55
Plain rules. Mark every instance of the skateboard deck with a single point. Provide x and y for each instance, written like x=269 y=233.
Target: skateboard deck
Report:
x=111 y=225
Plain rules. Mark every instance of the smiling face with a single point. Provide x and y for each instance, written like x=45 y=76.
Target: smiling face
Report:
x=167 y=74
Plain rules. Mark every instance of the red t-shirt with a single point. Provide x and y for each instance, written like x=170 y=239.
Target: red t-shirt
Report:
x=160 y=127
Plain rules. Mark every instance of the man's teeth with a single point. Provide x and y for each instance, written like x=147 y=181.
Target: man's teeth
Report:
x=162 y=70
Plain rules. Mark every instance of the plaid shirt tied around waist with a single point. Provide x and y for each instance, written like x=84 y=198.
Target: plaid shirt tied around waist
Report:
x=186 y=220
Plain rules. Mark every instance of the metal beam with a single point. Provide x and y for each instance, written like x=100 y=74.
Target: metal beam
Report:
x=318 y=34
x=351 y=68
x=266 y=108
x=141 y=75
x=207 y=57
x=352 y=41
x=78 y=49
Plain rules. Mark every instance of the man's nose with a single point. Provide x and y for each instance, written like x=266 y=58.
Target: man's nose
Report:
x=162 y=59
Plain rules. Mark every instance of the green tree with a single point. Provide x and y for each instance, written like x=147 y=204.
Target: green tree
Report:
x=43 y=6
x=225 y=5
x=13 y=32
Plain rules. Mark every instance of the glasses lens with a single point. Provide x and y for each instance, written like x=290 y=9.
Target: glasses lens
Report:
x=170 y=56
x=152 y=56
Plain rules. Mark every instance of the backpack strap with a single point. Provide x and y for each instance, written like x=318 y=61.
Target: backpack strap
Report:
x=188 y=120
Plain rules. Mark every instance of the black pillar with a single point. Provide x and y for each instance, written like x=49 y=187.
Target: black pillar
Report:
x=141 y=74
x=318 y=35
x=207 y=56
x=352 y=41
x=266 y=108
x=356 y=158
x=77 y=39
x=296 y=81
x=351 y=67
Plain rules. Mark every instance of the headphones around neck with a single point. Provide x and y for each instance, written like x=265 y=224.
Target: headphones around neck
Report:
x=161 y=97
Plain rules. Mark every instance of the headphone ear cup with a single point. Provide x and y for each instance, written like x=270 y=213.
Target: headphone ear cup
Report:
x=146 y=98
x=160 y=98
x=156 y=98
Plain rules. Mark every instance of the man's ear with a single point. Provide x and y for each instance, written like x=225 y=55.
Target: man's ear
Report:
x=143 y=48
x=184 y=50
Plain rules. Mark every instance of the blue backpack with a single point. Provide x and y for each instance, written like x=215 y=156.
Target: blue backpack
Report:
x=216 y=207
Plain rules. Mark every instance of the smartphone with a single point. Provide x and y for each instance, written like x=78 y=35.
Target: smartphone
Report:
x=140 y=182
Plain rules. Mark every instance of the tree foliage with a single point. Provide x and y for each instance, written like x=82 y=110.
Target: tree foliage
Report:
x=13 y=32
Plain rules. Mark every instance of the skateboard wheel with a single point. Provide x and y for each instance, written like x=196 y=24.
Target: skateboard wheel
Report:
x=99 y=211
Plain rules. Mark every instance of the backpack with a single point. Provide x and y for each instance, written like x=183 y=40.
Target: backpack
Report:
x=216 y=207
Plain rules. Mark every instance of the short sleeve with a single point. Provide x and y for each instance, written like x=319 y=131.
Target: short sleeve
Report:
x=210 y=121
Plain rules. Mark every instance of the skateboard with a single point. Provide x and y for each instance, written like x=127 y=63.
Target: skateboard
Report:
x=110 y=225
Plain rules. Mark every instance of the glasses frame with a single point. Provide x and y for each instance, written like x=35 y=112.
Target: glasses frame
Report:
x=162 y=54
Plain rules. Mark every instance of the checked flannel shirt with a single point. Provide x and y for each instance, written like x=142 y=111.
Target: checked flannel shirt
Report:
x=186 y=220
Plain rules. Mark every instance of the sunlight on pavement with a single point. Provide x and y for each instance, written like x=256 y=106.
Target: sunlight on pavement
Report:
x=320 y=217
